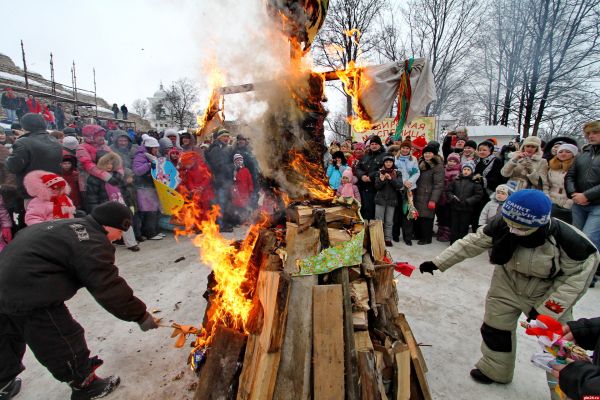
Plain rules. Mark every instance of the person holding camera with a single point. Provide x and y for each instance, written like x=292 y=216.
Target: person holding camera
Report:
x=387 y=184
x=526 y=168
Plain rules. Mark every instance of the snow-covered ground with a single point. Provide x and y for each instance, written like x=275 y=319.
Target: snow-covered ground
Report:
x=445 y=312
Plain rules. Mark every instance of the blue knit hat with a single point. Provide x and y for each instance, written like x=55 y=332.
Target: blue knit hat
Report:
x=528 y=207
x=469 y=164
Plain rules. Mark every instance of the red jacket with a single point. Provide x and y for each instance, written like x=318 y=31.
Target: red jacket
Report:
x=196 y=181
x=34 y=107
x=242 y=188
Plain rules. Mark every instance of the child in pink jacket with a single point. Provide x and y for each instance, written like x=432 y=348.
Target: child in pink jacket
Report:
x=50 y=197
x=347 y=192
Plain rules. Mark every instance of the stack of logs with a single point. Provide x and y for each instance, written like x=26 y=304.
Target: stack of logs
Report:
x=333 y=336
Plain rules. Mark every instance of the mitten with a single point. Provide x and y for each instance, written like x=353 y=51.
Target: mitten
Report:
x=427 y=266
x=533 y=314
x=431 y=205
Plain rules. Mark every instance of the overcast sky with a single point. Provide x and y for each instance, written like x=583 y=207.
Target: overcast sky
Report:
x=134 y=44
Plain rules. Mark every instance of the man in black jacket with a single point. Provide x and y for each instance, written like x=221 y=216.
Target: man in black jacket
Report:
x=367 y=171
x=579 y=379
x=34 y=150
x=220 y=161
x=44 y=266
x=582 y=184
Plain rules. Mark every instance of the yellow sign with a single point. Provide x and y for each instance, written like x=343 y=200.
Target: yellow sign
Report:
x=421 y=126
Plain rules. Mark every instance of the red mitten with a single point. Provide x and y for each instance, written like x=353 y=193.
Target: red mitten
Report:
x=7 y=234
x=431 y=205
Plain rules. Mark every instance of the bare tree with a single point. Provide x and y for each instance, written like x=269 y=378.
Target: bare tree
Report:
x=443 y=31
x=140 y=107
x=349 y=32
x=566 y=48
x=338 y=125
x=179 y=100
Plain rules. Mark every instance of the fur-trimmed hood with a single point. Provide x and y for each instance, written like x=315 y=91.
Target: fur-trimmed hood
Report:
x=425 y=165
x=110 y=158
x=36 y=188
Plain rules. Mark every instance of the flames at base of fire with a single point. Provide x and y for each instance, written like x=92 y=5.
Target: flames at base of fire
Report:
x=230 y=300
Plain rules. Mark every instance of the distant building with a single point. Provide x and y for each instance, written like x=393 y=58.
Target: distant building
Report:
x=158 y=122
x=503 y=134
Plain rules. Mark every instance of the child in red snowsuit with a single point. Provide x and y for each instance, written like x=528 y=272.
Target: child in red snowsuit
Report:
x=242 y=188
x=196 y=180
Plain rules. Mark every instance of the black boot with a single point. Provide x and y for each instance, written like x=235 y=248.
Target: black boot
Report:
x=480 y=377
x=10 y=389
x=97 y=388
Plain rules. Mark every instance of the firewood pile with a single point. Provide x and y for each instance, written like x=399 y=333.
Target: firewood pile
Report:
x=335 y=335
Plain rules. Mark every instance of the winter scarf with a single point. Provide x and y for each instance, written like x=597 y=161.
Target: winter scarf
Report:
x=505 y=244
x=555 y=164
x=62 y=206
x=488 y=162
x=392 y=171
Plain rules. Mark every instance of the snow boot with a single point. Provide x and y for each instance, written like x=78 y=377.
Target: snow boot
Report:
x=10 y=389
x=94 y=389
x=480 y=377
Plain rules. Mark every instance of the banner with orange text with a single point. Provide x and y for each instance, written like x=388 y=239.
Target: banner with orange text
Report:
x=421 y=126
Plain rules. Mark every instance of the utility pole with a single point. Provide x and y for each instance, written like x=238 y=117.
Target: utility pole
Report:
x=24 y=65
x=95 y=97
x=74 y=80
x=52 y=74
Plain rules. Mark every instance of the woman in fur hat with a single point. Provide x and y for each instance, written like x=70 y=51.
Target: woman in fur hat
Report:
x=526 y=168
x=430 y=186
x=558 y=167
x=442 y=211
x=99 y=192
x=50 y=200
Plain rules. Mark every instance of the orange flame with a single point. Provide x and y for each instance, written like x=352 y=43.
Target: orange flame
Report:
x=355 y=82
x=216 y=79
x=231 y=297
x=315 y=182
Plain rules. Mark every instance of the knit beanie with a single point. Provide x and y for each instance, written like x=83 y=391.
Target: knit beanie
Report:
x=528 y=207
x=504 y=189
x=420 y=142
x=33 y=122
x=376 y=139
x=487 y=143
x=431 y=148
x=113 y=214
x=471 y=143
x=348 y=174
x=220 y=133
x=53 y=181
x=92 y=131
x=70 y=143
x=237 y=157
x=453 y=156
x=469 y=164
x=389 y=157
x=149 y=141
x=569 y=147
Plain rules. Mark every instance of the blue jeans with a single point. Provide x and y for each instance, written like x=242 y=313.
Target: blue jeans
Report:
x=11 y=115
x=222 y=199
x=587 y=218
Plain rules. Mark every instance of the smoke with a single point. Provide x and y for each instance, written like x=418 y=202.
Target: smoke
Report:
x=247 y=46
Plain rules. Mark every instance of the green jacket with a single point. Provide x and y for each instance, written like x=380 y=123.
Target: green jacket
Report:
x=556 y=273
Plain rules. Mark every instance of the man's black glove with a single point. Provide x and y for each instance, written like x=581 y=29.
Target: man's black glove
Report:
x=427 y=266
x=115 y=179
x=533 y=314
x=147 y=323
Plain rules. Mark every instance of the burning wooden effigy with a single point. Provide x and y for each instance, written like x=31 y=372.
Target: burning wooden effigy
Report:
x=305 y=306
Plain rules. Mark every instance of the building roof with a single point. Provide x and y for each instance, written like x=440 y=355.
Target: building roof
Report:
x=491 y=131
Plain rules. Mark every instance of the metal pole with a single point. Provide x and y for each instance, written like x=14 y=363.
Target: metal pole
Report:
x=52 y=74
x=24 y=65
x=95 y=97
x=74 y=83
